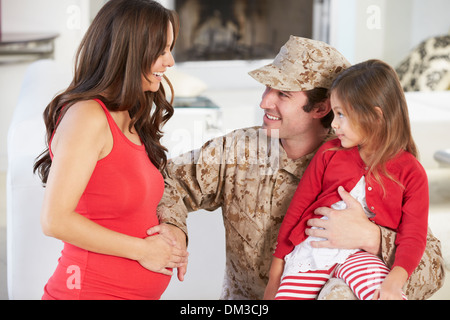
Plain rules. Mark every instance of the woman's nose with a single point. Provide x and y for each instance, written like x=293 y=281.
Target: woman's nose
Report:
x=170 y=61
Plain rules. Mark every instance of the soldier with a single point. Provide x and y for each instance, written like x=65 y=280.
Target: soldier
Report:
x=253 y=173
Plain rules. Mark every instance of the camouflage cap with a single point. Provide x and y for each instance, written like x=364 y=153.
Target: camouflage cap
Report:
x=302 y=64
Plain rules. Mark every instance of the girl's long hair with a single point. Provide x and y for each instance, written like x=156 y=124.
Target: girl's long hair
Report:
x=363 y=87
x=119 y=48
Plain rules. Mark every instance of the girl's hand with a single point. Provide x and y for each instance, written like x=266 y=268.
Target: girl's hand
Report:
x=387 y=293
x=391 y=288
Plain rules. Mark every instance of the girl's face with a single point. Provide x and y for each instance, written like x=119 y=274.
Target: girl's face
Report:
x=344 y=130
x=160 y=66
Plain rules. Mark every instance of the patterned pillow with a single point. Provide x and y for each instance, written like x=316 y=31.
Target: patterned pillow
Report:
x=427 y=68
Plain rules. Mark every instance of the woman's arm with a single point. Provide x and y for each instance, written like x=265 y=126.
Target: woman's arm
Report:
x=82 y=138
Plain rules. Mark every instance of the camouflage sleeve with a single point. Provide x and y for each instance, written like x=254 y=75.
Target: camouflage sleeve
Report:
x=429 y=274
x=192 y=182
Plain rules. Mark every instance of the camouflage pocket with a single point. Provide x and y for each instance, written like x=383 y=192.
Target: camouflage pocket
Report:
x=244 y=225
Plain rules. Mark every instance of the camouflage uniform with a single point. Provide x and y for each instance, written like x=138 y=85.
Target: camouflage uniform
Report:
x=251 y=178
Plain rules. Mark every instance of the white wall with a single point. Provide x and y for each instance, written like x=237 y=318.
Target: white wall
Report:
x=383 y=29
x=429 y=18
x=69 y=18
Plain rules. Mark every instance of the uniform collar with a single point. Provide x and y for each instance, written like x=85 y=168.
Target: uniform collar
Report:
x=281 y=161
x=295 y=167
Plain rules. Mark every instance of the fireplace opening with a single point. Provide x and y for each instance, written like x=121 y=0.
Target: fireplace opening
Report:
x=239 y=29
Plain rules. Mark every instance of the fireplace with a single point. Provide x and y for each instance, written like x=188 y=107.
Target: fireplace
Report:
x=224 y=30
x=224 y=64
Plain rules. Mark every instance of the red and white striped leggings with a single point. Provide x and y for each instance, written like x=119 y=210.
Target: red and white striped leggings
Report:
x=362 y=271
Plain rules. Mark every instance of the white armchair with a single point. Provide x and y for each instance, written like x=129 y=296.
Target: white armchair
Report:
x=31 y=259
x=443 y=157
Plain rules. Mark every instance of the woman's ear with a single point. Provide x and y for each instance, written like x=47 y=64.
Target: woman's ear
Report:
x=322 y=109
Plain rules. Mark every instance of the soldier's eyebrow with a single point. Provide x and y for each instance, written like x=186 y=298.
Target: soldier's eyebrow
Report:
x=286 y=93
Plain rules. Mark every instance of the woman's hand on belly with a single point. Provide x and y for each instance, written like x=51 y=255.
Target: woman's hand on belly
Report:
x=172 y=234
x=160 y=254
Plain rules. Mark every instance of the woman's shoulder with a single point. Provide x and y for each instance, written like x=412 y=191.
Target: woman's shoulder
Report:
x=88 y=114
x=82 y=120
x=87 y=108
x=84 y=126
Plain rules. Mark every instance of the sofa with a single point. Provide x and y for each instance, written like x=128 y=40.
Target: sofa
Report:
x=31 y=256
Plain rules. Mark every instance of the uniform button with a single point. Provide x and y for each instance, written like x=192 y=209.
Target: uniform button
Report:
x=369 y=188
x=372 y=208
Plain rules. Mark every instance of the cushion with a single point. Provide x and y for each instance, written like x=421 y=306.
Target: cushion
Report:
x=427 y=68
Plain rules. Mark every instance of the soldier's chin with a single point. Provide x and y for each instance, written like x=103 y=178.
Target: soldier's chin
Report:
x=273 y=133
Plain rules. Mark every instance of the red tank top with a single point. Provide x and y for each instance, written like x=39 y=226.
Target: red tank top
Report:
x=122 y=195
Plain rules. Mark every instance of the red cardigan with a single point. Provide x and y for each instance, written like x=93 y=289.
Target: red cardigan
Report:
x=403 y=209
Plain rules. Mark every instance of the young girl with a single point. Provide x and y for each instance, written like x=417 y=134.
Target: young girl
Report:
x=375 y=157
x=104 y=157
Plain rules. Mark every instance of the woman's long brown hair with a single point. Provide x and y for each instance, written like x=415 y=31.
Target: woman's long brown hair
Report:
x=122 y=43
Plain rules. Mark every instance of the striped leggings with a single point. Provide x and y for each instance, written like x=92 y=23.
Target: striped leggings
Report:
x=362 y=271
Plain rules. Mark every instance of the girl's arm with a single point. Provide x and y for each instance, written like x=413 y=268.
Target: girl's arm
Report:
x=275 y=273
x=82 y=138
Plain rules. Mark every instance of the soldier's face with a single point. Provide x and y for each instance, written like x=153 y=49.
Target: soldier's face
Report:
x=283 y=112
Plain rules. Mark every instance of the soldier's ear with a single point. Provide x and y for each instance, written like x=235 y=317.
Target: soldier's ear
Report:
x=321 y=109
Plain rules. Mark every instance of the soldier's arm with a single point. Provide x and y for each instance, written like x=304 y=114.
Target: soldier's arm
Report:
x=192 y=182
x=428 y=277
